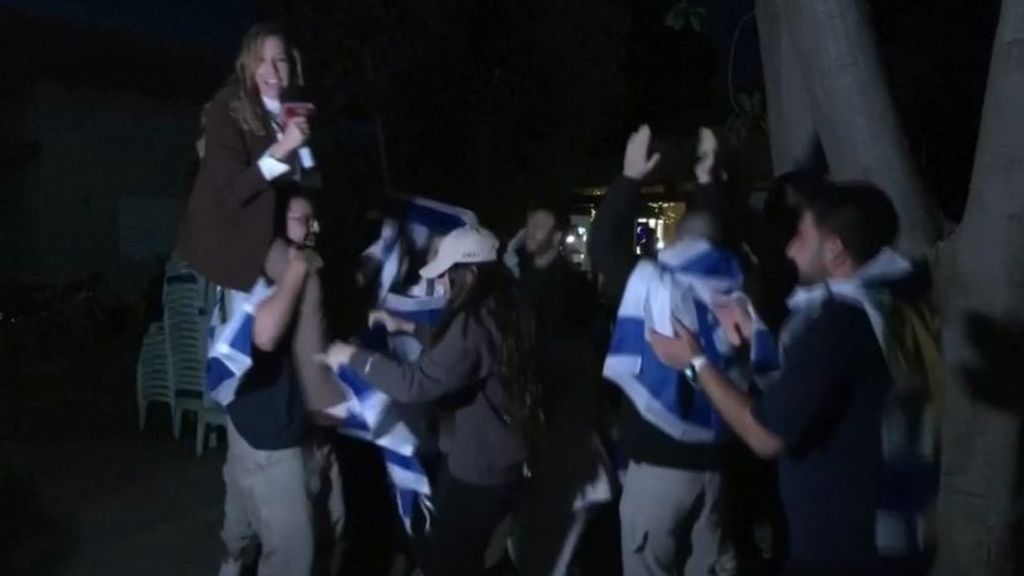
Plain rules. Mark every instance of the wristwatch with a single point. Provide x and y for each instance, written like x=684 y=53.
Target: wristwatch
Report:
x=693 y=368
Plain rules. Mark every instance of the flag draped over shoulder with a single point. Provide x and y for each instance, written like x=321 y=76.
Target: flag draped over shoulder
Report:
x=369 y=414
x=417 y=220
x=910 y=413
x=682 y=285
x=372 y=416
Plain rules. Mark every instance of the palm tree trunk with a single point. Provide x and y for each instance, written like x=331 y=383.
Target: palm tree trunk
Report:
x=834 y=43
x=824 y=77
x=984 y=332
x=792 y=130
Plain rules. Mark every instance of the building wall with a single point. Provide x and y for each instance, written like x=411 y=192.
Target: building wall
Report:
x=105 y=159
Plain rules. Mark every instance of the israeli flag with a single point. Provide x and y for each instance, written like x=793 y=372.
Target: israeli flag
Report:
x=230 y=350
x=862 y=289
x=372 y=416
x=369 y=414
x=909 y=431
x=419 y=219
x=684 y=284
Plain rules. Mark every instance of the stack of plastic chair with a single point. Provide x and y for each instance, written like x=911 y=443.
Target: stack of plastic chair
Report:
x=207 y=290
x=186 y=321
x=152 y=376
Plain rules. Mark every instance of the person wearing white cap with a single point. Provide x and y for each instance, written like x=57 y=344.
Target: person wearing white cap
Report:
x=477 y=364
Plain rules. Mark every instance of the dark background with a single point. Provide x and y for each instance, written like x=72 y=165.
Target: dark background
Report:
x=479 y=102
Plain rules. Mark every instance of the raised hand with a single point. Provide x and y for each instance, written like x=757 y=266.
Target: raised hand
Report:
x=636 y=163
x=707 y=150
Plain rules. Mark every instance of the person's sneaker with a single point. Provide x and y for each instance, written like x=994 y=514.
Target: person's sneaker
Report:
x=230 y=568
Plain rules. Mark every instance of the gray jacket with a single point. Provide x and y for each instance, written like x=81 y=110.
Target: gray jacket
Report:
x=486 y=447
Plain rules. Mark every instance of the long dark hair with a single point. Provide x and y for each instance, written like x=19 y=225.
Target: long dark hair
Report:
x=489 y=288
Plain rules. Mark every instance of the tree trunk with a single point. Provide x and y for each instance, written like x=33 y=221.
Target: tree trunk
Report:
x=983 y=337
x=853 y=110
x=791 y=127
x=820 y=56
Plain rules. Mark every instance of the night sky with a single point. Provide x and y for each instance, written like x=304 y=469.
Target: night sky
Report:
x=483 y=103
x=215 y=24
x=481 y=98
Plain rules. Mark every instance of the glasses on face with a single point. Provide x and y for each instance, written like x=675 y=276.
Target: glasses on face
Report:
x=310 y=227
x=305 y=220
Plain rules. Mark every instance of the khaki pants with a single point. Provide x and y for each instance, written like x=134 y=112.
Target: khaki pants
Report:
x=669 y=516
x=268 y=499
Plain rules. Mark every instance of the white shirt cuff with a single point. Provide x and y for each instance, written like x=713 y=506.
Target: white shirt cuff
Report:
x=271 y=167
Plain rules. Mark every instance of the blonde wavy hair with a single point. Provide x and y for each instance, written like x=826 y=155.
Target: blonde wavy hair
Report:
x=246 y=106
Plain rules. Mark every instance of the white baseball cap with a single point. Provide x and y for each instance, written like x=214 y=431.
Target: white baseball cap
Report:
x=467 y=245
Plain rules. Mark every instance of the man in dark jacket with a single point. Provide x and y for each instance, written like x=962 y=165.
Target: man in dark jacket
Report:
x=852 y=416
x=568 y=455
x=560 y=295
x=669 y=505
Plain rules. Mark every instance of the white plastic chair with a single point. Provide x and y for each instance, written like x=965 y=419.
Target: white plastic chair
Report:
x=186 y=321
x=152 y=376
x=206 y=290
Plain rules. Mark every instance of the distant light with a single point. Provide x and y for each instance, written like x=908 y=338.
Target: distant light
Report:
x=570 y=239
x=661 y=245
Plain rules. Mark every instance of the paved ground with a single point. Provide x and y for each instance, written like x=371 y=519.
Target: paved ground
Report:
x=82 y=490
x=142 y=505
